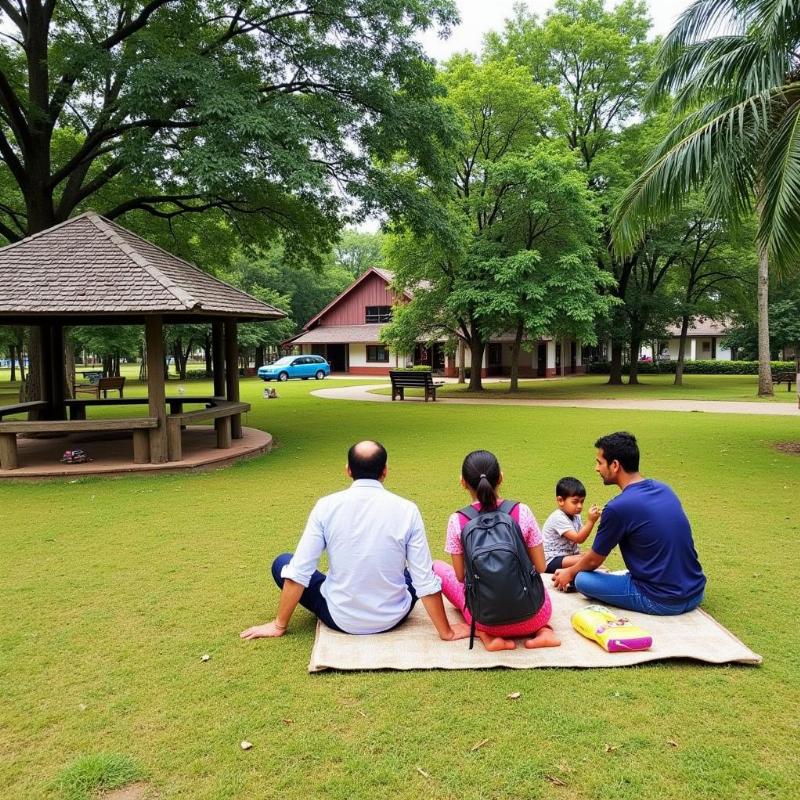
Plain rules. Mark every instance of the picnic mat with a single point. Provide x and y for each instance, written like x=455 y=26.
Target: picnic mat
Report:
x=415 y=644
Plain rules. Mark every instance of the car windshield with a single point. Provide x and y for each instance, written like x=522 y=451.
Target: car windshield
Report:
x=283 y=362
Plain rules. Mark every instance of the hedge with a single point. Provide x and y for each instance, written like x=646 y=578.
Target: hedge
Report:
x=694 y=367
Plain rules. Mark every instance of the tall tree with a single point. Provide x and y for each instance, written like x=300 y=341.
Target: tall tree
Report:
x=732 y=66
x=518 y=216
x=600 y=60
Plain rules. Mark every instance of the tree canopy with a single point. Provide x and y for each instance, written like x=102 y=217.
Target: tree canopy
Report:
x=263 y=113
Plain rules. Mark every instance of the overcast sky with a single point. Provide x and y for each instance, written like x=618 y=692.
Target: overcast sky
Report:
x=480 y=16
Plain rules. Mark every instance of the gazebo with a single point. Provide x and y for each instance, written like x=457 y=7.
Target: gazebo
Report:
x=91 y=271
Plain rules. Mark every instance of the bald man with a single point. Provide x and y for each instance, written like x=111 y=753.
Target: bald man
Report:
x=379 y=562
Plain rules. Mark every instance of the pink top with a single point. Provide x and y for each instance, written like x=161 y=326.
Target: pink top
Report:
x=522 y=513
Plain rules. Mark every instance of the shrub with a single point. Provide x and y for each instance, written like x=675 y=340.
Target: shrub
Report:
x=694 y=367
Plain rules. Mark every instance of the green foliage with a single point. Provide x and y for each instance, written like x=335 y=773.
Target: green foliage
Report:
x=251 y=113
x=708 y=367
x=509 y=245
x=90 y=774
x=732 y=69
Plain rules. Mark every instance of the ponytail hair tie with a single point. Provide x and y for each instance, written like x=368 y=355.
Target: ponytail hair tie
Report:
x=483 y=474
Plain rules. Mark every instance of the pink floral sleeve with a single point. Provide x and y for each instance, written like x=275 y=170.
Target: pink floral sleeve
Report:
x=529 y=527
x=452 y=542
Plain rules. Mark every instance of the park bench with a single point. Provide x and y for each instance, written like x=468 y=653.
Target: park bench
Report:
x=787 y=376
x=221 y=413
x=104 y=385
x=139 y=426
x=402 y=380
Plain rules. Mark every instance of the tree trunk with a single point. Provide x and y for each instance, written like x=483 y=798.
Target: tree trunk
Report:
x=633 y=375
x=462 y=357
x=515 y=348
x=69 y=372
x=681 y=351
x=31 y=388
x=12 y=350
x=207 y=354
x=764 y=355
x=260 y=358
x=476 y=348
x=615 y=364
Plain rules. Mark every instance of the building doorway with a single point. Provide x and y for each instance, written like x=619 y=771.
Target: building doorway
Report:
x=432 y=356
x=541 y=360
x=337 y=355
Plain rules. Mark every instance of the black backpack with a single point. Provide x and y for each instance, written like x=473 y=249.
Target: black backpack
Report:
x=502 y=586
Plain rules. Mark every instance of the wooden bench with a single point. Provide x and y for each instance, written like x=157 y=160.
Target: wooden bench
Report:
x=104 y=385
x=788 y=377
x=21 y=408
x=77 y=406
x=409 y=379
x=139 y=425
x=221 y=413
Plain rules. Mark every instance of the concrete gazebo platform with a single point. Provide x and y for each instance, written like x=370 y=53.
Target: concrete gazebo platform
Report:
x=111 y=456
x=91 y=271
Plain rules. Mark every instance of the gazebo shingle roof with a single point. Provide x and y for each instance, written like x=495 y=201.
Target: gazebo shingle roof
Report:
x=90 y=266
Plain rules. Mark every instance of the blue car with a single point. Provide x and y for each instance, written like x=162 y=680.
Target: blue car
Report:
x=304 y=367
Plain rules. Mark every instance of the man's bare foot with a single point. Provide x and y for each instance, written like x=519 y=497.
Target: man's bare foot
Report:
x=495 y=643
x=544 y=637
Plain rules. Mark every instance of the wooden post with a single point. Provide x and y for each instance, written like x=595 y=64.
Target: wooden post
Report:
x=223 y=426
x=141 y=447
x=218 y=358
x=232 y=373
x=8 y=451
x=58 y=378
x=155 y=389
x=45 y=373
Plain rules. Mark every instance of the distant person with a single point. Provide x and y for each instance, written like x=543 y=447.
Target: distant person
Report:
x=564 y=531
x=650 y=526
x=379 y=562
x=481 y=477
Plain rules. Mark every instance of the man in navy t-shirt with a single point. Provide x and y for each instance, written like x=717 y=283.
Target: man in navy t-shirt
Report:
x=650 y=526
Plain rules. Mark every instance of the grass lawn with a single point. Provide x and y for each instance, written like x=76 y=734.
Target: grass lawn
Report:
x=112 y=589
x=652 y=387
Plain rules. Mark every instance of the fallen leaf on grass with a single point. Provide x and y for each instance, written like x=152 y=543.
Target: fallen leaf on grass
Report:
x=205 y=657
x=245 y=745
x=672 y=742
x=480 y=744
x=514 y=696
x=610 y=748
x=422 y=772
x=555 y=781
x=362 y=713
x=287 y=721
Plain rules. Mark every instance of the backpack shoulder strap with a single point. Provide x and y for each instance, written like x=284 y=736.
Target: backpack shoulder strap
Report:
x=507 y=506
x=470 y=512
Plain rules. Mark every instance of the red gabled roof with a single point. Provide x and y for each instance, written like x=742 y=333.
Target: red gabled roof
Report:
x=383 y=274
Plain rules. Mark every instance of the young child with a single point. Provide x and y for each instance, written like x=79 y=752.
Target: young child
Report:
x=564 y=531
x=481 y=477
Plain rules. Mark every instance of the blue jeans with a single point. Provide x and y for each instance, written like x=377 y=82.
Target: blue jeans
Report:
x=312 y=598
x=621 y=591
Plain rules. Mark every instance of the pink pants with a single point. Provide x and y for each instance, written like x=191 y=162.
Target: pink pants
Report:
x=453 y=590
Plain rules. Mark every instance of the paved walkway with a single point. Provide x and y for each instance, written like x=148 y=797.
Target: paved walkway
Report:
x=712 y=406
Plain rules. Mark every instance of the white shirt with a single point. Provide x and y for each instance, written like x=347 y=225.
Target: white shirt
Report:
x=370 y=535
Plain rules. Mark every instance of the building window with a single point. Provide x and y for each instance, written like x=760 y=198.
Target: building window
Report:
x=706 y=347
x=379 y=314
x=377 y=354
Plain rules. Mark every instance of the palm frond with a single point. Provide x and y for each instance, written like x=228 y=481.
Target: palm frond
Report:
x=777 y=20
x=779 y=224
x=741 y=69
x=704 y=140
x=703 y=18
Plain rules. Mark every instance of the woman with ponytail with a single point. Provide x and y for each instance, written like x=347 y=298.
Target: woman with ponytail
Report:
x=481 y=478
